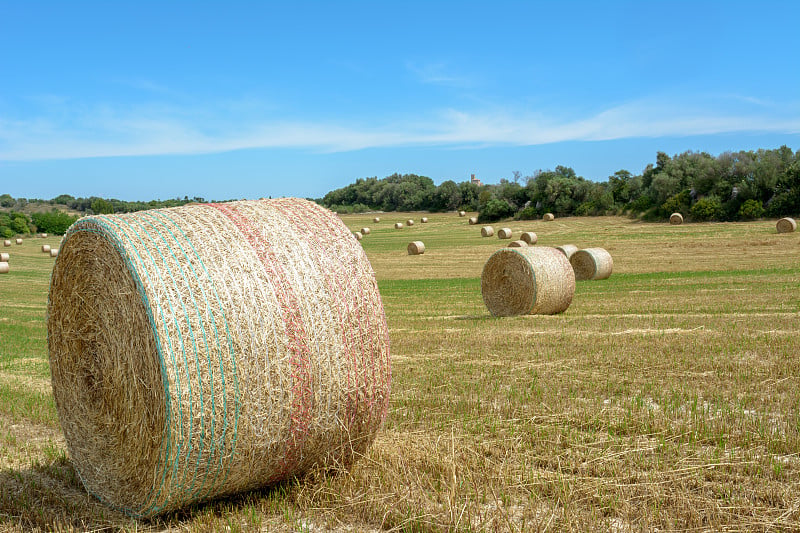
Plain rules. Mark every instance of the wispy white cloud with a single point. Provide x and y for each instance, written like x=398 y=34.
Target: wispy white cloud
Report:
x=437 y=74
x=159 y=130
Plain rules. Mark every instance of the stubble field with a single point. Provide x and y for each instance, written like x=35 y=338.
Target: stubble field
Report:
x=666 y=397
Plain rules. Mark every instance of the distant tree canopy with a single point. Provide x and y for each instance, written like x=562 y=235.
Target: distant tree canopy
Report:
x=732 y=186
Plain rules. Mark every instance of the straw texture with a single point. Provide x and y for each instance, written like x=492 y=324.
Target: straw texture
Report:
x=548 y=217
x=487 y=231
x=786 y=225
x=529 y=237
x=592 y=263
x=416 y=248
x=676 y=219
x=398 y=225
x=504 y=233
x=424 y=220
x=530 y=280
x=4 y=257
x=567 y=249
x=45 y=248
x=19 y=241
x=4 y=268
x=473 y=221
x=517 y=244
x=209 y=349
x=6 y=243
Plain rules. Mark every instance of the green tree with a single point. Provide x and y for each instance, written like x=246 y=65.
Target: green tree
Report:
x=101 y=206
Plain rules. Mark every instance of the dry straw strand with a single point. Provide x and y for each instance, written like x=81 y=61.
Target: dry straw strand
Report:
x=416 y=248
x=4 y=269
x=228 y=374
x=472 y=221
x=517 y=244
x=529 y=280
x=592 y=263
x=45 y=248
x=364 y=231
x=4 y=257
x=529 y=237
x=487 y=231
x=676 y=219
x=504 y=233
x=786 y=225
x=424 y=220
x=548 y=217
x=567 y=249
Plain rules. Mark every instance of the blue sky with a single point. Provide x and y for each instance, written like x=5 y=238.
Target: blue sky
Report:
x=144 y=100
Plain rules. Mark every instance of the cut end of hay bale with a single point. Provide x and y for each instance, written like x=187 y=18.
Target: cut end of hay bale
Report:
x=487 y=231
x=472 y=221
x=6 y=243
x=529 y=280
x=43 y=235
x=548 y=217
x=4 y=257
x=517 y=244
x=529 y=237
x=592 y=263
x=409 y=222
x=504 y=233
x=358 y=235
x=462 y=213
x=45 y=248
x=424 y=220
x=221 y=376
x=364 y=231
x=416 y=248
x=19 y=241
x=676 y=219
x=4 y=269
x=398 y=225
x=567 y=249
x=786 y=225
x=376 y=219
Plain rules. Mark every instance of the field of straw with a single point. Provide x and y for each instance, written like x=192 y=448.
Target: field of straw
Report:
x=666 y=397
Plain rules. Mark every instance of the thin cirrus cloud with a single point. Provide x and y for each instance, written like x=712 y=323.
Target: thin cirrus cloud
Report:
x=105 y=132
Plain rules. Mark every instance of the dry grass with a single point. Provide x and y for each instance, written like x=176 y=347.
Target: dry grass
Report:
x=664 y=398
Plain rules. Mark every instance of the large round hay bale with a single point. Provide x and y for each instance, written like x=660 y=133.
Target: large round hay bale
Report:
x=358 y=235
x=209 y=349
x=473 y=220
x=416 y=248
x=45 y=248
x=487 y=231
x=19 y=241
x=4 y=257
x=53 y=252
x=504 y=233
x=567 y=249
x=786 y=225
x=548 y=217
x=424 y=220
x=592 y=263
x=364 y=231
x=4 y=269
x=530 y=280
x=398 y=225
x=376 y=219
x=409 y=222
x=676 y=219
x=462 y=213
x=6 y=243
x=43 y=235
x=517 y=244
x=529 y=237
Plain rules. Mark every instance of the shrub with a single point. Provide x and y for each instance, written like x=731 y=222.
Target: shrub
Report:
x=751 y=209
x=709 y=208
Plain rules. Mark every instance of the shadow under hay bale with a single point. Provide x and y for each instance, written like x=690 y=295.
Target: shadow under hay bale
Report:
x=529 y=280
x=567 y=249
x=592 y=263
x=487 y=231
x=786 y=225
x=416 y=248
x=676 y=219
x=529 y=237
x=209 y=349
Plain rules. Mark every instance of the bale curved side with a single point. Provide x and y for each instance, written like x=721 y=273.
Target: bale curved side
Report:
x=424 y=220
x=358 y=235
x=529 y=237
x=4 y=257
x=567 y=249
x=376 y=219
x=4 y=268
x=472 y=221
x=45 y=248
x=416 y=248
x=530 y=280
x=504 y=233
x=226 y=375
x=676 y=219
x=6 y=243
x=398 y=225
x=487 y=231
x=364 y=231
x=592 y=263
x=517 y=244
x=462 y=213
x=19 y=241
x=548 y=217
x=786 y=225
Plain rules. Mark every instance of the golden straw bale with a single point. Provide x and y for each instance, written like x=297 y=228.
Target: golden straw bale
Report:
x=548 y=217
x=517 y=244
x=198 y=351
x=529 y=237
x=676 y=219
x=4 y=257
x=462 y=213
x=4 y=268
x=786 y=225
x=43 y=235
x=592 y=263
x=529 y=280
x=567 y=249
x=487 y=231
x=358 y=235
x=19 y=241
x=424 y=220
x=398 y=225
x=45 y=248
x=409 y=222
x=364 y=231
x=53 y=252
x=504 y=233
x=473 y=220
x=6 y=243
x=416 y=248
x=376 y=219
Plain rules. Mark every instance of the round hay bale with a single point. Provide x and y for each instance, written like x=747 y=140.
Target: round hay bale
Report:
x=180 y=376
x=4 y=268
x=45 y=248
x=473 y=221
x=4 y=257
x=517 y=244
x=43 y=235
x=548 y=217
x=398 y=225
x=416 y=248
x=409 y=222
x=786 y=225
x=364 y=231
x=504 y=233
x=592 y=263
x=376 y=219
x=676 y=219
x=6 y=243
x=424 y=220
x=19 y=241
x=567 y=249
x=487 y=231
x=531 y=280
x=462 y=213
x=358 y=235
x=529 y=237
x=53 y=252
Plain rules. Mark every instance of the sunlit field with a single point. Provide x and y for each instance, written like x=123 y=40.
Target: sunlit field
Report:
x=666 y=397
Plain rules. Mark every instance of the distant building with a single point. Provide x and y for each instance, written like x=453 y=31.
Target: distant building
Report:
x=475 y=180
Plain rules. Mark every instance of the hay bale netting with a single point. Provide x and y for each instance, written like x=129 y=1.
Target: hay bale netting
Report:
x=358 y=235
x=504 y=233
x=676 y=219
x=462 y=213
x=424 y=220
x=376 y=219
x=209 y=349
x=4 y=257
x=487 y=231
x=530 y=280
x=529 y=237
x=786 y=225
x=473 y=220
x=6 y=243
x=53 y=252
x=592 y=263
x=4 y=268
x=548 y=217
x=517 y=244
x=398 y=225
x=45 y=248
x=19 y=241
x=567 y=249
x=364 y=231
x=409 y=222
x=416 y=248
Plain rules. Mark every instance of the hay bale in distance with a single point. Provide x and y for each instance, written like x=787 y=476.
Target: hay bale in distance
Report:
x=398 y=225
x=504 y=233
x=19 y=241
x=45 y=248
x=487 y=231
x=462 y=213
x=592 y=263
x=567 y=249
x=205 y=376
x=364 y=231
x=43 y=235
x=548 y=217
x=376 y=219
x=409 y=222
x=786 y=225
x=416 y=248
x=358 y=235
x=473 y=220
x=529 y=237
x=53 y=252
x=676 y=219
x=4 y=257
x=4 y=269
x=424 y=220
x=6 y=243
x=529 y=280
x=517 y=244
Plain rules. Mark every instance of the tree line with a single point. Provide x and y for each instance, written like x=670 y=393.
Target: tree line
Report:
x=742 y=185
